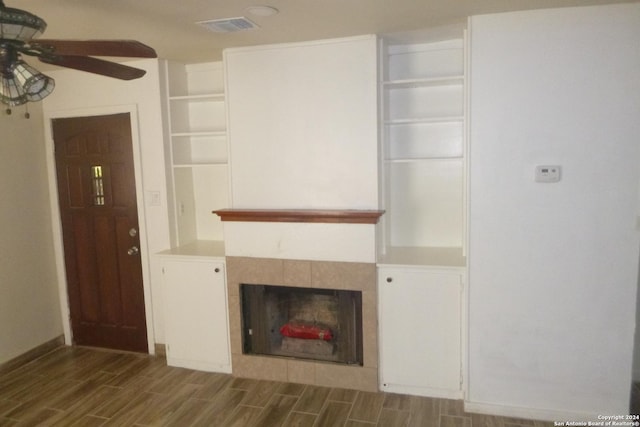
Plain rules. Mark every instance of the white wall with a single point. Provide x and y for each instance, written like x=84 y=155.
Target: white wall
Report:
x=29 y=309
x=317 y=242
x=303 y=125
x=303 y=135
x=79 y=94
x=553 y=267
x=636 y=339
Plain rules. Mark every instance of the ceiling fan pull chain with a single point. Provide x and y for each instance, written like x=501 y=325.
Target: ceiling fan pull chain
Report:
x=8 y=112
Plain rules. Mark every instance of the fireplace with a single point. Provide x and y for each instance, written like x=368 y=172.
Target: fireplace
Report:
x=302 y=323
x=326 y=284
x=325 y=251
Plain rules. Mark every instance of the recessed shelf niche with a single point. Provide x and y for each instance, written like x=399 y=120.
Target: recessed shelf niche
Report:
x=423 y=167
x=198 y=150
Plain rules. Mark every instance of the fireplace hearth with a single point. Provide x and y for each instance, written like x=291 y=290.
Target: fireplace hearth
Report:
x=303 y=323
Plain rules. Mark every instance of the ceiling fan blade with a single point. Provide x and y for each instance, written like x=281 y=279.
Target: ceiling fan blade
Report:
x=125 y=48
x=96 y=66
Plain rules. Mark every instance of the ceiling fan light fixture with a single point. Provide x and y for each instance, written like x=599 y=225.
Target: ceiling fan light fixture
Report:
x=16 y=24
x=36 y=85
x=11 y=91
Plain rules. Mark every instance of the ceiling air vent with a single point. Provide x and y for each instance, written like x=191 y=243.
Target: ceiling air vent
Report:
x=228 y=25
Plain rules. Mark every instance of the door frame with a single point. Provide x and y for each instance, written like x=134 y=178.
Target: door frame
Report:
x=131 y=109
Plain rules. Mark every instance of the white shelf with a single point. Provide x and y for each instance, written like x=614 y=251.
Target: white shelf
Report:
x=206 y=249
x=422 y=159
x=425 y=120
x=422 y=256
x=441 y=140
x=213 y=132
x=199 y=165
x=199 y=97
x=424 y=82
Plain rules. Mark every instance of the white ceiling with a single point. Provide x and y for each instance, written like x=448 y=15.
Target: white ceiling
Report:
x=169 y=25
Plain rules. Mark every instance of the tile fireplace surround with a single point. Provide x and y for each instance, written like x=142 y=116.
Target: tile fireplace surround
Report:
x=309 y=274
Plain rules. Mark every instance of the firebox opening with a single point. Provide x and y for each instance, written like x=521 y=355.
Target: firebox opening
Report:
x=304 y=323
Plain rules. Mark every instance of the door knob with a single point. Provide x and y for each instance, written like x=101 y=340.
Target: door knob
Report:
x=133 y=250
x=133 y=232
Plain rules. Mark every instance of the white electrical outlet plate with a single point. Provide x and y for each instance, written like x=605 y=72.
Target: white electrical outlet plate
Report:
x=548 y=173
x=153 y=198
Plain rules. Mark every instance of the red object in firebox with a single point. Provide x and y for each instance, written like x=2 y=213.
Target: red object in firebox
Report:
x=307 y=332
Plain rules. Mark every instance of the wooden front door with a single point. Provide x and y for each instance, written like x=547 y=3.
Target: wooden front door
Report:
x=96 y=189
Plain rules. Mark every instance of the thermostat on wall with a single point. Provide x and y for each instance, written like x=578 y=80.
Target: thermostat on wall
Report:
x=548 y=173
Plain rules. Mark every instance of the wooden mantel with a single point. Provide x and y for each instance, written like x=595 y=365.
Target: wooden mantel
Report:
x=300 y=215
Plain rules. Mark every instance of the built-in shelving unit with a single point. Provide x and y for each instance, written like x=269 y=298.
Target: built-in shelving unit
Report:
x=422 y=262
x=423 y=151
x=197 y=149
x=193 y=269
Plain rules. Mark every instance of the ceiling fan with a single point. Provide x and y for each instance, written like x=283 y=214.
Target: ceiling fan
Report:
x=21 y=83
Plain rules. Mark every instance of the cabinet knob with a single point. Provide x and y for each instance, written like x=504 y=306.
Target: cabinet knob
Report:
x=389 y=279
x=217 y=270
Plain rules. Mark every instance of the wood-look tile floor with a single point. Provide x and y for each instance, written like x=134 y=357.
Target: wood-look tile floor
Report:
x=634 y=405
x=75 y=386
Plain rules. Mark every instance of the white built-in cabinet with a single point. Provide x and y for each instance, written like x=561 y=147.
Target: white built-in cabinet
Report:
x=193 y=269
x=422 y=264
x=292 y=127
x=196 y=315
x=197 y=150
x=420 y=311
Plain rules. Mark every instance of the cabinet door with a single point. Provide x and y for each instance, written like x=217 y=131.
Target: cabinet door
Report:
x=420 y=330
x=197 y=332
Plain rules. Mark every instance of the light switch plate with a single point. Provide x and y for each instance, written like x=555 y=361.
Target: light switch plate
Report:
x=153 y=198
x=548 y=173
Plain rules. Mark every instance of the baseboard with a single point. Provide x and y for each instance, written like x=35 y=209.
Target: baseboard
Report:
x=422 y=391
x=199 y=365
x=160 y=349
x=527 y=413
x=32 y=354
